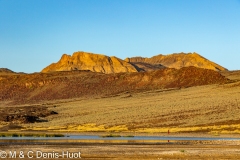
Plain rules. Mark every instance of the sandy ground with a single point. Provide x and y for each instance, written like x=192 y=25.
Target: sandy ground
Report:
x=132 y=151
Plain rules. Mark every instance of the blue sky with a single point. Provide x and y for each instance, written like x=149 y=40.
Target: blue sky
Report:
x=35 y=33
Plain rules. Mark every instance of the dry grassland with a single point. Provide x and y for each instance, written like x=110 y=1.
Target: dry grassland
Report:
x=212 y=108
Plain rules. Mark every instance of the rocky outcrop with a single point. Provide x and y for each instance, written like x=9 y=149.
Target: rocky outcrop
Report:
x=178 y=61
x=92 y=62
x=142 y=66
x=25 y=114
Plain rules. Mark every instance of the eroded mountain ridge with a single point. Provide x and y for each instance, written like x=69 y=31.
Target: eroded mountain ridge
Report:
x=105 y=64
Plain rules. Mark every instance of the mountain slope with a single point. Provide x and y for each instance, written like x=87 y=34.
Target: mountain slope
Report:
x=92 y=62
x=27 y=88
x=178 y=61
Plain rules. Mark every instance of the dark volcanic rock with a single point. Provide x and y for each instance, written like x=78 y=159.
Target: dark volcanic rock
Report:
x=27 y=114
x=31 y=88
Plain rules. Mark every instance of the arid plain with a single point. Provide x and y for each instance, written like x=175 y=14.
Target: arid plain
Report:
x=209 y=108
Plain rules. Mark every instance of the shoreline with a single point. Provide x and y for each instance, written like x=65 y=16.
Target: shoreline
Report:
x=101 y=133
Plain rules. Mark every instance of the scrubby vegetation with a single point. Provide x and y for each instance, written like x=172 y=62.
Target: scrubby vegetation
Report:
x=115 y=135
x=111 y=135
x=9 y=134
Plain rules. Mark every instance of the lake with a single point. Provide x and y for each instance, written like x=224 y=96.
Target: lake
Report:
x=100 y=139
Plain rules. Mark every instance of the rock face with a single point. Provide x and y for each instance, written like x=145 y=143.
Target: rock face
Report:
x=178 y=61
x=92 y=62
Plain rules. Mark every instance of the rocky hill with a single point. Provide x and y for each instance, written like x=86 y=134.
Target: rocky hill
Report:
x=92 y=62
x=177 y=60
x=31 y=88
x=104 y=64
x=5 y=70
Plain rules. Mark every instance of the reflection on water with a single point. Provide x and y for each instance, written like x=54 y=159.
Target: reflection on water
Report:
x=96 y=137
x=99 y=139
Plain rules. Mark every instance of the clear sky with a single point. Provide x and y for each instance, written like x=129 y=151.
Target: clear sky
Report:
x=35 y=33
